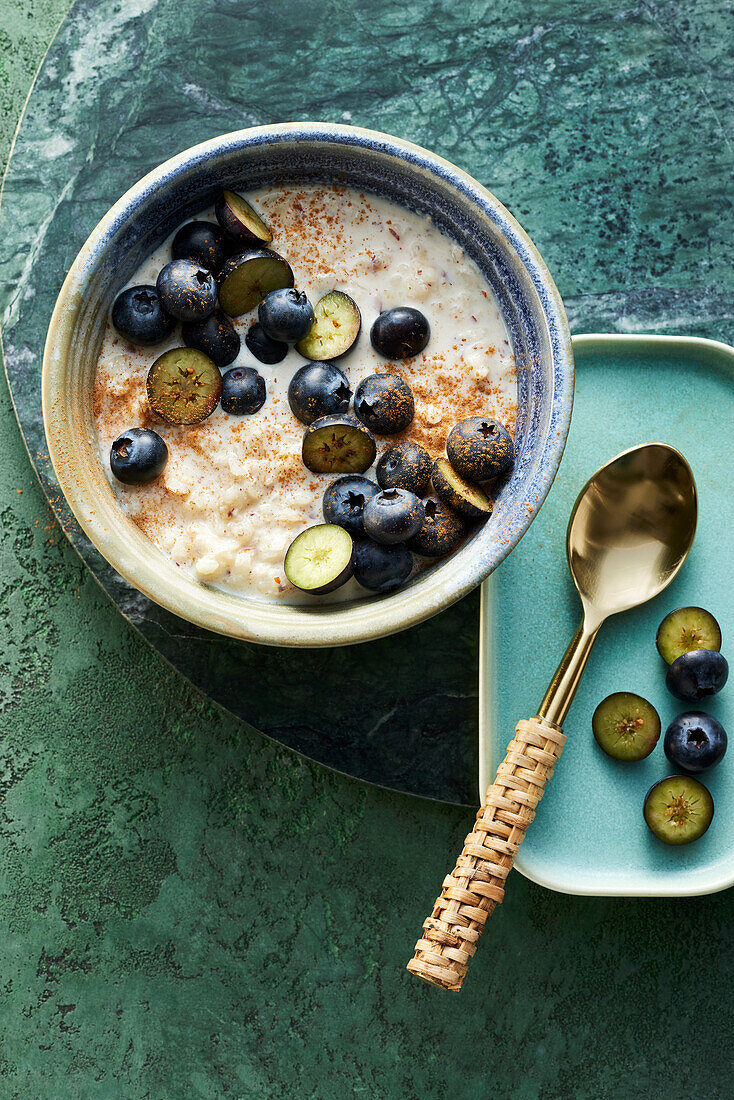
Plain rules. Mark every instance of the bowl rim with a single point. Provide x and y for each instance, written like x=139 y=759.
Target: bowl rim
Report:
x=132 y=554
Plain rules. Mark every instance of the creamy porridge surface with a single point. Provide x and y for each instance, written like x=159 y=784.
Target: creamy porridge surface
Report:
x=235 y=492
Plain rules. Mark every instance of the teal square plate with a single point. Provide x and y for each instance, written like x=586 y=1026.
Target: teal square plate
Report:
x=589 y=836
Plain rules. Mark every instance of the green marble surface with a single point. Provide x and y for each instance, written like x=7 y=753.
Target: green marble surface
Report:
x=188 y=911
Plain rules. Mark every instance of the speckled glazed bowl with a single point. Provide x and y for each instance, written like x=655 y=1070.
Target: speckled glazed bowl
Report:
x=152 y=209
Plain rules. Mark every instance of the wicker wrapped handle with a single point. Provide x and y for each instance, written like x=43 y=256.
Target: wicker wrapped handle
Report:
x=477 y=883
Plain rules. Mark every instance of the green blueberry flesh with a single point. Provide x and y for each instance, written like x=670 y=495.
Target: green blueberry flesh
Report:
x=626 y=726
x=336 y=326
x=468 y=500
x=686 y=629
x=247 y=277
x=320 y=559
x=184 y=386
x=678 y=809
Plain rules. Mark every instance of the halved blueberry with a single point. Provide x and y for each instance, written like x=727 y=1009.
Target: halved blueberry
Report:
x=187 y=290
x=183 y=386
x=695 y=741
x=139 y=316
x=240 y=220
x=678 y=809
x=285 y=314
x=685 y=629
x=344 y=502
x=138 y=456
x=441 y=533
x=480 y=448
x=400 y=333
x=216 y=336
x=318 y=389
x=204 y=243
x=320 y=559
x=394 y=515
x=382 y=568
x=626 y=726
x=384 y=403
x=466 y=499
x=405 y=466
x=338 y=445
x=246 y=278
x=336 y=326
x=263 y=348
x=696 y=674
x=243 y=391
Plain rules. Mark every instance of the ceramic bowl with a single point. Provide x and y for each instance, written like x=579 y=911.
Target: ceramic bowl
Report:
x=346 y=155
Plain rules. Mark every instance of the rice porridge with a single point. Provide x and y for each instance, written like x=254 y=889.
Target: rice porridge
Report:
x=235 y=492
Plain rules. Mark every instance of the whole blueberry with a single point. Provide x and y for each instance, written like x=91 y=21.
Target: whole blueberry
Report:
x=393 y=515
x=318 y=389
x=384 y=403
x=204 y=243
x=405 y=466
x=441 y=532
x=216 y=336
x=187 y=290
x=694 y=741
x=138 y=456
x=139 y=316
x=480 y=448
x=400 y=333
x=263 y=348
x=696 y=674
x=382 y=568
x=243 y=391
x=344 y=502
x=285 y=314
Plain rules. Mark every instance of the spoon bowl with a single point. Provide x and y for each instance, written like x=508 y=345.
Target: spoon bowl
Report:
x=631 y=529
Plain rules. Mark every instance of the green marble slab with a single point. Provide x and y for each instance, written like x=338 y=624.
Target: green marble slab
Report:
x=188 y=910
x=576 y=137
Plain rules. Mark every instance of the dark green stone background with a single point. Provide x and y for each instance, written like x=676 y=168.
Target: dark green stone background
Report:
x=187 y=911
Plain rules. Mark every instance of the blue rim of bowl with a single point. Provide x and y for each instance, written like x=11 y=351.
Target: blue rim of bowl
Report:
x=406 y=609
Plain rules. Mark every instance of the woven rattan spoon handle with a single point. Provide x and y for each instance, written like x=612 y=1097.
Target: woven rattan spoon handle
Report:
x=477 y=883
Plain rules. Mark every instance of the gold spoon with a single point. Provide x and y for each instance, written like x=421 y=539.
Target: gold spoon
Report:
x=629 y=533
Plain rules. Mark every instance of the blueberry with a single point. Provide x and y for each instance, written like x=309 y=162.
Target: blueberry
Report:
x=480 y=448
x=187 y=290
x=183 y=386
x=698 y=673
x=694 y=741
x=382 y=568
x=441 y=533
x=139 y=316
x=285 y=314
x=384 y=403
x=263 y=348
x=405 y=466
x=678 y=809
x=338 y=444
x=138 y=456
x=400 y=333
x=318 y=389
x=626 y=726
x=203 y=243
x=344 y=502
x=685 y=629
x=320 y=559
x=216 y=336
x=393 y=515
x=243 y=391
